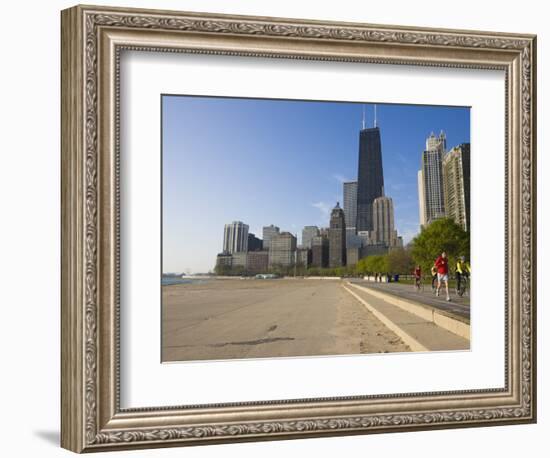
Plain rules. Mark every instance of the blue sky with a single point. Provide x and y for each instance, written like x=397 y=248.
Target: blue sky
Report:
x=280 y=162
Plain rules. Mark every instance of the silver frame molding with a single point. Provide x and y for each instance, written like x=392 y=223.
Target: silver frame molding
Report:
x=92 y=40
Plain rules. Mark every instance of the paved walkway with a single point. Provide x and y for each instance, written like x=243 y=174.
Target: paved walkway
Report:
x=458 y=305
x=418 y=333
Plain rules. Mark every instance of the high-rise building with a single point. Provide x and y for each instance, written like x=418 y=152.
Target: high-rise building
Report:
x=239 y=259
x=254 y=243
x=337 y=237
x=456 y=183
x=431 y=188
x=383 y=219
x=308 y=232
x=303 y=257
x=268 y=232
x=437 y=143
x=374 y=249
x=319 y=251
x=257 y=261
x=353 y=240
x=282 y=249
x=353 y=255
x=235 y=237
x=350 y=205
x=224 y=260
x=370 y=178
x=421 y=199
x=366 y=237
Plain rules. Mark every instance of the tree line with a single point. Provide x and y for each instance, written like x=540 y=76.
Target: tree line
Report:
x=442 y=235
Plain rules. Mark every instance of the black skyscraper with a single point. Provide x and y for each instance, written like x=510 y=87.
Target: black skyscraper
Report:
x=370 y=179
x=337 y=238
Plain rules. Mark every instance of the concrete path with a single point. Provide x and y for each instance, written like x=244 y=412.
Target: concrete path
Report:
x=459 y=306
x=223 y=319
x=418 y=333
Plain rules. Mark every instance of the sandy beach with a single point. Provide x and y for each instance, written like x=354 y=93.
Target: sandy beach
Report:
x=250 y=318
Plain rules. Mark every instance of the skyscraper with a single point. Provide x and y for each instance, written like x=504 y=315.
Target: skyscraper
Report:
x=370 y=178
x=431 y=183
x=337 y=237
x=437 y=143
x=353 y=255
x=456 y=183
x=268 y=233
x=235 y=237
x=319 y=251
x=282 y=249
x=350 y=204
x=383 y=220
x=308 y=232
x=254 y=243
x=421 y=199
x=257 y=261
x=353 y=240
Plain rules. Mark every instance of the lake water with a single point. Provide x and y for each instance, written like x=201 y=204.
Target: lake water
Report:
x=168 y=280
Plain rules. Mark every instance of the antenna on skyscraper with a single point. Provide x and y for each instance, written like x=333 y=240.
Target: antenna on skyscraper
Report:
x=375 y=119
x=363 y=117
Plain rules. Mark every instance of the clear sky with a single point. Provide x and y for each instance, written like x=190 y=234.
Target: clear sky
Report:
x=280 y=162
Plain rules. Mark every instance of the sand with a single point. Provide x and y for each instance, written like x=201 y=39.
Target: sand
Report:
x=250 y=318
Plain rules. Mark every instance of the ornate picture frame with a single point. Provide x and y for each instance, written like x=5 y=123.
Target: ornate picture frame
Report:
x=92 y=41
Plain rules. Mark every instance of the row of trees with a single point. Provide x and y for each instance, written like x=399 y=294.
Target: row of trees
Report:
x=300 y=270
x=441 y=235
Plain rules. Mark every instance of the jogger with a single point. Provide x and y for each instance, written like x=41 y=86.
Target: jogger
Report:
x=442 y=265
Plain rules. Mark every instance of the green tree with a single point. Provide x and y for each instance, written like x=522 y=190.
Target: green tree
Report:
x=339 y=271
x=400 y=261
x=222 y=269
x=360 y=267
x=373 y=264
x=440 y=235
x=313 y=271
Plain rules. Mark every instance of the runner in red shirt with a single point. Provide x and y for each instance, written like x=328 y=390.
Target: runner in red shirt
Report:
x=442 y=266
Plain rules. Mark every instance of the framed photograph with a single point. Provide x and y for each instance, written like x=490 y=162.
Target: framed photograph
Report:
x=277 y=228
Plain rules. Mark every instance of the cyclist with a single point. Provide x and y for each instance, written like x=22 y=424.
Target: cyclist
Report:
x=442 y=265
x=417 y=277
x=462 y=272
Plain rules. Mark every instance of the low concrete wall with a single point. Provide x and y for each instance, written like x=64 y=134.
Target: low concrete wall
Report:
x=323 y=278
x=381 y=279
x=409 y=340
x=456 y=325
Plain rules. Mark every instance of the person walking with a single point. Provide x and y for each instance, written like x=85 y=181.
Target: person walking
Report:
x=442 y=266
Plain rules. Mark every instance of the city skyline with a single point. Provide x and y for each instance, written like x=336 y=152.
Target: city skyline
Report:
x=290 y=170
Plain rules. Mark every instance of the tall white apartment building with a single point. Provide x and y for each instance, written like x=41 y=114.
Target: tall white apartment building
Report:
x=430 y=180
x=235 y=237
